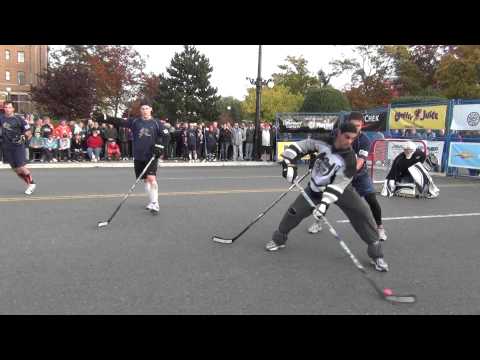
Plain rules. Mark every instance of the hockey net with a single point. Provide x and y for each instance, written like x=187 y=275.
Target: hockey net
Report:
x=384 y=151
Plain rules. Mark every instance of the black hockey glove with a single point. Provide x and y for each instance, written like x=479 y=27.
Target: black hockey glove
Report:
x=289 y=170
x=158 y=150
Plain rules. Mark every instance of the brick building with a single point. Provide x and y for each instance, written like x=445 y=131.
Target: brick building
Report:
x=19 y=68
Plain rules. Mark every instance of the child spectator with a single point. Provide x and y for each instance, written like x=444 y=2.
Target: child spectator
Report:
x=36 y=146
x=94 y=146
x=64 y=148
x=76 y=148
x=113 y=151
x=50 y=148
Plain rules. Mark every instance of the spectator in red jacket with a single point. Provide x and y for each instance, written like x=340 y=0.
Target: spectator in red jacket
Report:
x=63 y=128
x=94 y=146
x=113 y=151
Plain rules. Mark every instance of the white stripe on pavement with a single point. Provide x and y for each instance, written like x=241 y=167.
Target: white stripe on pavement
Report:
x=420 y=217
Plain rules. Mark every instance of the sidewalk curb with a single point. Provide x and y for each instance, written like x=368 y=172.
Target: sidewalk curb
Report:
x=129 y=164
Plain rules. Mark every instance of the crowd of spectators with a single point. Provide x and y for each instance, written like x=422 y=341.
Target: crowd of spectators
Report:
x=87 y=140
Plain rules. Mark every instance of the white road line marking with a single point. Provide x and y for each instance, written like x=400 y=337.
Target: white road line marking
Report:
x=420 y=217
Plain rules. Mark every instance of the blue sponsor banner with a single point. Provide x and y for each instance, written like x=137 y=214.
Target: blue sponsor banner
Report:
x=464 y=155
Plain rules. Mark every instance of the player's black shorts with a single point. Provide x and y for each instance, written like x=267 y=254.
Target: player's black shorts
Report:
x=14 y=156
x=140 y=165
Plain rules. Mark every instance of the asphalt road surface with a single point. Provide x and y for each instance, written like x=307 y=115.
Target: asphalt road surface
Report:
x=54 y=260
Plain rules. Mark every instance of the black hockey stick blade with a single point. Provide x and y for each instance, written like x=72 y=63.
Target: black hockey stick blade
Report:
x=222 y=240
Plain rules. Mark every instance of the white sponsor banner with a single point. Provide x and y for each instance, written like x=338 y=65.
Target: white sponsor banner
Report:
x=436 y=148
x=466 y=117
x=396 y=147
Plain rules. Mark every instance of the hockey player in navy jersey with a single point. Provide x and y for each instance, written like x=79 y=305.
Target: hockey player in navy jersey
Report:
x=148 y=140
x=15 y=131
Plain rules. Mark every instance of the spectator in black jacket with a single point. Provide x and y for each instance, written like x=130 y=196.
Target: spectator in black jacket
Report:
x=124 y=143
x=192 y=140
x=211 y=143
x=250 y=134
x=225 y=141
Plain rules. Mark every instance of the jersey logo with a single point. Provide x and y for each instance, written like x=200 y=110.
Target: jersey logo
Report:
x=144 y=132
x=323 y=166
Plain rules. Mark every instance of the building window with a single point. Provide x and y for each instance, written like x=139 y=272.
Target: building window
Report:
x=7 y=55
x=21 y=78
x=21 y=56
x=7 y=75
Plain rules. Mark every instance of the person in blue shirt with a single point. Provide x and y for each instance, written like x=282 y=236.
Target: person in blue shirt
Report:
x=149 y=136
x=15 y=133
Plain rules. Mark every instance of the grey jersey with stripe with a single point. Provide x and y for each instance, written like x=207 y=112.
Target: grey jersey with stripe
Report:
x=333 y=169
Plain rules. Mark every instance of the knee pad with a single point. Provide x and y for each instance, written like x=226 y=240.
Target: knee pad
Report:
x=279 y=238
x=374 y=250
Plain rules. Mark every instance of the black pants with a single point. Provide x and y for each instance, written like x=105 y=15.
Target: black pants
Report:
x=352 y=205
x=125 y=149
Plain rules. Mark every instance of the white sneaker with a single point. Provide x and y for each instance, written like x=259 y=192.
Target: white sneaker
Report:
x=380 y=264
x=315 y=228
x=273 y=246
x=381 y=234
x=155 y=208
x=30 y=189
x=149 y=206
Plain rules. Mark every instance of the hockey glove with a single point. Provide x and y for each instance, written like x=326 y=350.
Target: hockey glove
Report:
x=289 y=170
x=320 y=211
x=158 y=150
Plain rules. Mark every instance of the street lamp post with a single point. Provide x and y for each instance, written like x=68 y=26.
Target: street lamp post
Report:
x=258 y=83
x=9 y=90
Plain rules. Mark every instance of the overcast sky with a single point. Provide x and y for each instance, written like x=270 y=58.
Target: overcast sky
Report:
x=233 y=63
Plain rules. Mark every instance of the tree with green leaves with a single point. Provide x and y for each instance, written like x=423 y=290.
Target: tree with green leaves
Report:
x=326 y=99
x=369 y=76
x=277 y=99
x=458 y=74
x=229 y=107
x=186 y=93
x=415 y=67
x=295 y=75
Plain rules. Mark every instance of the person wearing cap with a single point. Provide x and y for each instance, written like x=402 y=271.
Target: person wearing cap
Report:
x=148 y=141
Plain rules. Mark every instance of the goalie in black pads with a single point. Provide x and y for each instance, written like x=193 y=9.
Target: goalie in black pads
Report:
x=148 y=141
x=330 y=183
x=408 y=177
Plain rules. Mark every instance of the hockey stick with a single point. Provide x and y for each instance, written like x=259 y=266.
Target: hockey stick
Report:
x=105 y=223
x=262 y=214
x=386 y=293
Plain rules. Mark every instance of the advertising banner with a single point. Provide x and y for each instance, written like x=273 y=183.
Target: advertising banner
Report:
x=306 y=122
x=466 y=117
x=421 y=117
x=464 y=155
x=375 y=121
x=436 y=148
